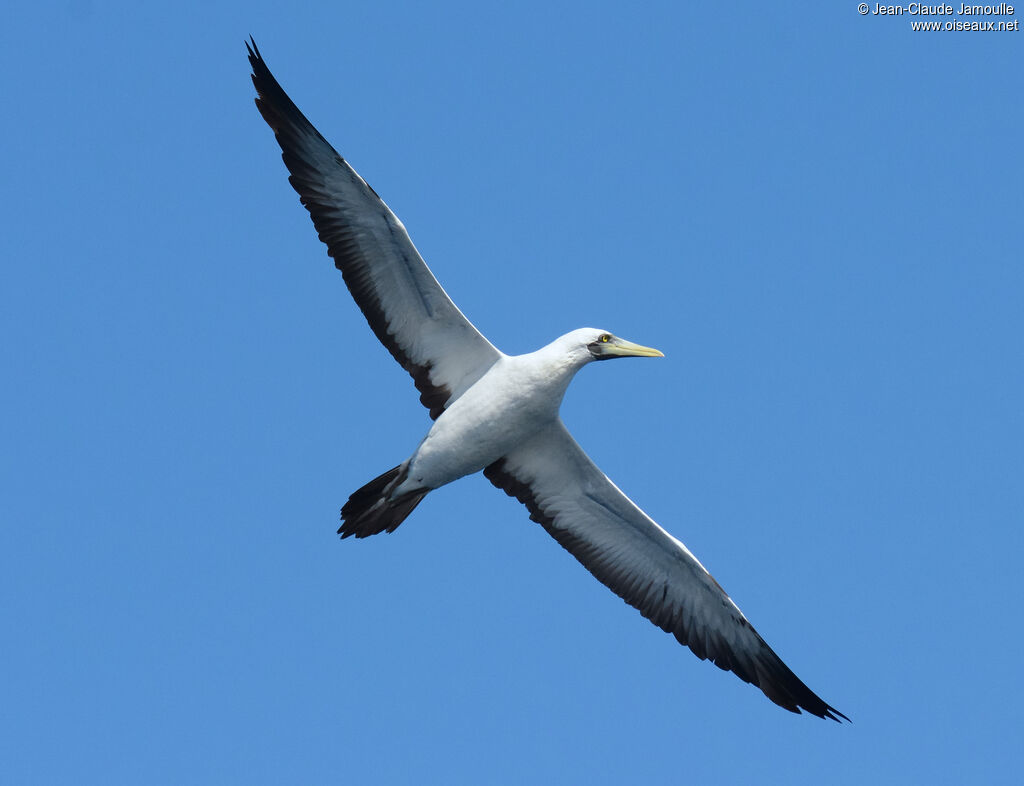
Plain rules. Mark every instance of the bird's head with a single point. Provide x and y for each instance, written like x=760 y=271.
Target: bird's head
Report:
x=603 y=345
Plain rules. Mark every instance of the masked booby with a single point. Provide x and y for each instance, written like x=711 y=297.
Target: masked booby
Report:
x=498 y=414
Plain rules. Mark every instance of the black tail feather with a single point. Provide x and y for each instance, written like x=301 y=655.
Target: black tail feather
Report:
x=369 y=511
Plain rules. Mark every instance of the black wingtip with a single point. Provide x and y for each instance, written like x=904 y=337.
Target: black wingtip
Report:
x=813 y=705
x=802 y=699
x=832 y=712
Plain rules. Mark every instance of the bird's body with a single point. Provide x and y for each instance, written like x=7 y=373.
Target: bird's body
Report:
x=499 y=414
x=517 y=397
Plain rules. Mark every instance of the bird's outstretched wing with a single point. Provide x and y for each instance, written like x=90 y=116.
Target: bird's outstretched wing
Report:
x=407 y=309
x=648 y=568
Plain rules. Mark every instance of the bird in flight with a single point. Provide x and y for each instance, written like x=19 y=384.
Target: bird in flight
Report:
x=498 y=414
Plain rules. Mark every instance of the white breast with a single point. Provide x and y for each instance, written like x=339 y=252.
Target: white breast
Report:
x=511 y=402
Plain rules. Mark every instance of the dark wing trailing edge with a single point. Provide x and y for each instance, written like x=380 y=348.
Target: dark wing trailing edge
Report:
x=640 y=562
x=407 y=309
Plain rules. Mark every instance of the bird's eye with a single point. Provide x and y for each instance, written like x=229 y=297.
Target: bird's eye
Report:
x=604 y=338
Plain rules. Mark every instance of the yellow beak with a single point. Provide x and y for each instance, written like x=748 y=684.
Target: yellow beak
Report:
x=619 y=347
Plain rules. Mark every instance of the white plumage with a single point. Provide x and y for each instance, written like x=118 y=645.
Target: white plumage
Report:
x=499 y=414
x=515 y=398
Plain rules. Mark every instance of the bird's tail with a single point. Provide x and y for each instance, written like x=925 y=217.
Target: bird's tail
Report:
x=370 y=509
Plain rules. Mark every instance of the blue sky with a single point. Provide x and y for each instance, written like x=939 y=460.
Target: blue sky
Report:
x=815 y=214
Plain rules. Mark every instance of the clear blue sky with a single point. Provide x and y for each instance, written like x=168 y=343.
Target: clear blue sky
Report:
x=815 y=214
